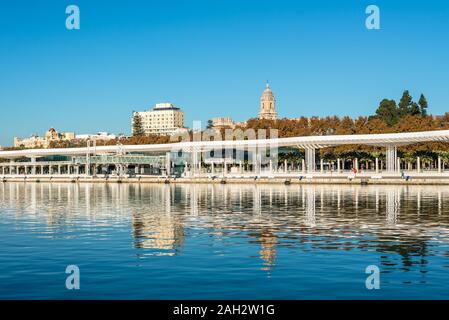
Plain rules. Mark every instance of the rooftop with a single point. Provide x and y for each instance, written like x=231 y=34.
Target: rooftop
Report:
x=164 y=106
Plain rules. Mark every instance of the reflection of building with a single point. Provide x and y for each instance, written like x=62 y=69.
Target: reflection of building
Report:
x=268 y=249
x=43 y=142
x=157 y=231
x=267 y=105
x=163 y=119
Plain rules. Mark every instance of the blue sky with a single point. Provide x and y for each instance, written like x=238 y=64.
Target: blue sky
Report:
x=212 y=58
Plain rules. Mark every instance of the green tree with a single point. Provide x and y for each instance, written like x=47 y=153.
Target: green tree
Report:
x=405 y=104
x=423 y=105
x=137 y=125
x=414 y=109
x=210 y=124
x=388 y=112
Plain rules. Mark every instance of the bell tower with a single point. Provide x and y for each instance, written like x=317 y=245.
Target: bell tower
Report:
x=267 y=104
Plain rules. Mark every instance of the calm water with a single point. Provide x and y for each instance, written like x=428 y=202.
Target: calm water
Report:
x=223 y=241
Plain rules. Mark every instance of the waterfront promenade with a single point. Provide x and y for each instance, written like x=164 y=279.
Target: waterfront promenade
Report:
x=427 y=178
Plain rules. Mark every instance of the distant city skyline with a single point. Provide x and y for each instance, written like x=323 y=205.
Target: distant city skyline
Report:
x=212 y=60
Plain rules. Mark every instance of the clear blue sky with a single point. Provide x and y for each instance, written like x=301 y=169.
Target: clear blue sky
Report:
x=212 y=58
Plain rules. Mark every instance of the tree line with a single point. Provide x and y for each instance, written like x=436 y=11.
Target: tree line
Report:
x=391 y=113
x=389 y=117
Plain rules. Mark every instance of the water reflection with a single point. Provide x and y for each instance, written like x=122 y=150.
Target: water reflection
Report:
x=404 y=223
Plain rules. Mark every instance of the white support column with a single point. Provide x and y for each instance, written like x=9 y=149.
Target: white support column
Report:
x=391 y=153
x=258 y=163
x=167 y=164
x=285 y=165
x=191 y=164
x=303 y=166
x=356 y=164
x=338 y=165
x=225 y=168
x=439 y=164
x=321 y=165
x=418 y=164
x=241 y=167
x=254 y=163
x=198 y=159
x=310 y=160
x=33 y=165
x=377 y=165
x=398 y=167
x=196 y=162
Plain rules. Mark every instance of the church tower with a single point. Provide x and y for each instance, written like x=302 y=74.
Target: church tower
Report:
x=267 y=104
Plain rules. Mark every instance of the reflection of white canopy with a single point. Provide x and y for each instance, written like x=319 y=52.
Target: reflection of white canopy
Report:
x=387 y=139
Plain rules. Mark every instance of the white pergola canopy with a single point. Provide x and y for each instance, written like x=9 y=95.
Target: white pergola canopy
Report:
x=309 y=142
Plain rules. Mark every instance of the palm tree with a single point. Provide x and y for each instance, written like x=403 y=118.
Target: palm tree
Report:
x=366 y=158
x=444 y=155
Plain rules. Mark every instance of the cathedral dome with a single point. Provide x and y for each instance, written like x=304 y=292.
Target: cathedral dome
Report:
x=267 y=104
x=267 y=94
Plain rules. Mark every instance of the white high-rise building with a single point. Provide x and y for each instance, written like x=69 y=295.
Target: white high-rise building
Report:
x=163 y=119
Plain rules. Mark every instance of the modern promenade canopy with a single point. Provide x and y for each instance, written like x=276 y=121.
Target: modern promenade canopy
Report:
x=307 y=142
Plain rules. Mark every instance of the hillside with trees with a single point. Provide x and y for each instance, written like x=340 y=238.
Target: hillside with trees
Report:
x=389 y=117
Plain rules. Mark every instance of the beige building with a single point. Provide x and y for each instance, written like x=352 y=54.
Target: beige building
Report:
x=267 y=105
x=36 y=141
x=222 y=123
x=104 y=136
x=163 y=119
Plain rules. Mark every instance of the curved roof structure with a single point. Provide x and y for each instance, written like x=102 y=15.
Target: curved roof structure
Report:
x=387 y=139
